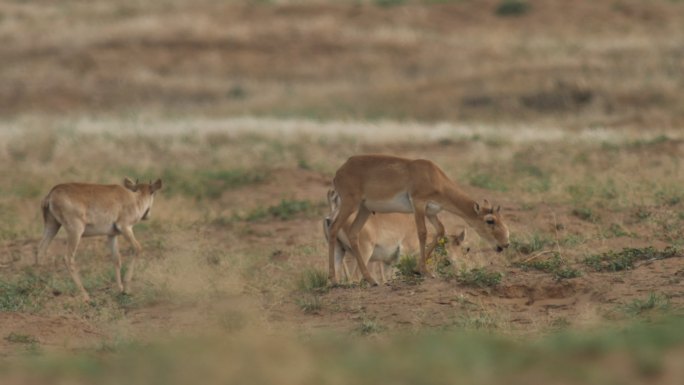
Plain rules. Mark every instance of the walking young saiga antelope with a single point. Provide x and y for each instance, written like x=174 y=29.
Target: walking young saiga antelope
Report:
x=388 y=184
x=94 y=209
x=384 y=238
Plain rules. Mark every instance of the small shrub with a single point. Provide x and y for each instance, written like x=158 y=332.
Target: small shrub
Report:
x=310 y=303
x=313 y=281
x=616 y=230
x=642 y=214
x=586 y=214
x=407 y=267
x=479 y=321
x=445 y=268
x=566 y=273
x=535 y=243
x=16 y=338
x=368 y=327
x=654 y=302
x=512 y=8
x=479 y=277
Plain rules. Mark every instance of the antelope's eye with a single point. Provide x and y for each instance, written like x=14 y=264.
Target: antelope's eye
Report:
x=490 y=221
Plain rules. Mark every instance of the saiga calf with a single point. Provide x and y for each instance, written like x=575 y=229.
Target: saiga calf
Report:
x=93 y=209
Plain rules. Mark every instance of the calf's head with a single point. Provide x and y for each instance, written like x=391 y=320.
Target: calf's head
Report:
x=144 y=194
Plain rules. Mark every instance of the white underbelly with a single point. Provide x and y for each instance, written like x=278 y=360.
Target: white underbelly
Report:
x=433 y=208
x=103 y=229
x=385 y=254
x=400 y=203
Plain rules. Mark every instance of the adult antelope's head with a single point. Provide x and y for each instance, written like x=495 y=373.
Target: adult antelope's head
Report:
x=490 y=225
x=145 y=194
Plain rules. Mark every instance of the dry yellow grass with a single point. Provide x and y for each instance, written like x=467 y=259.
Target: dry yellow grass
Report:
x=597 y=64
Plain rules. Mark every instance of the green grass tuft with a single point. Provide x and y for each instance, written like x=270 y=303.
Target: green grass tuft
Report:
x=512 y=8
x=16 y=338
x=309 y=303
x=369 y=327
x=407 y=268
x=312 y=281
x=479 y=277
x=555 y=265
x=285 y=210
x=654 y=302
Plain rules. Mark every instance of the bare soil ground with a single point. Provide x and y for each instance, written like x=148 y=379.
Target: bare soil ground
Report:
x=525 y=302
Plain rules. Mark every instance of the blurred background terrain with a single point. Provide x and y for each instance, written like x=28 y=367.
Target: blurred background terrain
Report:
x=575 y=64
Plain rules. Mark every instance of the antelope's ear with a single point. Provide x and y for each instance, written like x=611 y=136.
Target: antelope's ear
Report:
x=486 y=205
x=461 y=237
x=129 y=184
x=476 y=207
x=157 y=185
x=498 y=208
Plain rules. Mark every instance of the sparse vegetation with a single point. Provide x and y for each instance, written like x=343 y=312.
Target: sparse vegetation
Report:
x=534 y=243
x=479 y=277
x=309 y=303
x=209 y=184
x=586 y=214
x=285 y=210
x=17 y=338
x=654 y=302
x=555 y=265
x=512 y=8
x=312 y=281
x=407 y=268
x=26 y=293
x=369 y=326
x=625 y=259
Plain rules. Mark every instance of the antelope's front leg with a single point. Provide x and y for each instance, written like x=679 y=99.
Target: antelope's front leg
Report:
x=114 y=247
x=439 y=233
x=128 y=234
x=422 y=236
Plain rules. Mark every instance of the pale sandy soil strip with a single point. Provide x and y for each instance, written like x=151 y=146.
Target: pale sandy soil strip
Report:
x=294 y=129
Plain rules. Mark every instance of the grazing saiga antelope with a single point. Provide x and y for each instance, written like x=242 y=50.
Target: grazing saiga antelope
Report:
x=94 y=209
x=383 y=239
x=388 y=184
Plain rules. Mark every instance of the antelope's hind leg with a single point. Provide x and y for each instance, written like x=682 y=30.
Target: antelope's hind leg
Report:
x=74 y=237
x=128 y=234
x=49 y=232
x=353 y=235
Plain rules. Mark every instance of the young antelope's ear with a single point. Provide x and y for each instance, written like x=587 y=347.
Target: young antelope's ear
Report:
x=498 y=208
x=486 y=204
x=331 y=195
x=157 y=185
x=129 y=184
x=476 y=207
x=460 y=238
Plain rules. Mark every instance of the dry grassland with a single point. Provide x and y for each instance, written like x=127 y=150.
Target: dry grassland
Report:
x=569 y=116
